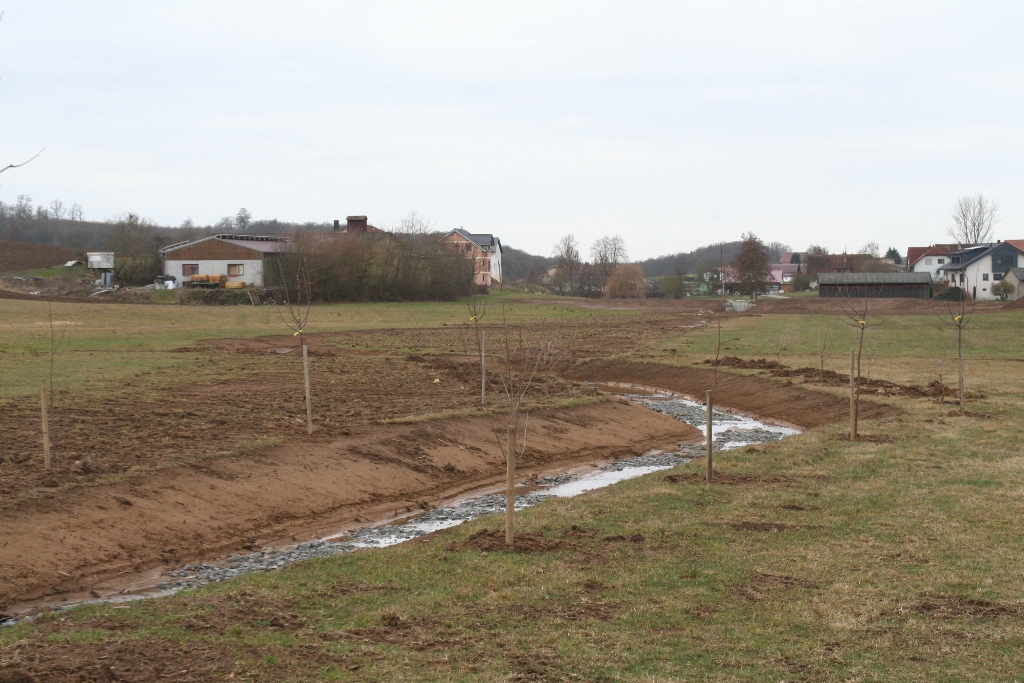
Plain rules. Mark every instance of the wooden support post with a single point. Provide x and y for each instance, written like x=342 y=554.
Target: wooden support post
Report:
x=853 y=400
x=963 y=391
x=309 y=405
x=46 y=425
x=483 y=367
x=510 y=482
x=710 y=398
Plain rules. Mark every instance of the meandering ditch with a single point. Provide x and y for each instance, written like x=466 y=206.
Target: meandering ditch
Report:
x=730 y=430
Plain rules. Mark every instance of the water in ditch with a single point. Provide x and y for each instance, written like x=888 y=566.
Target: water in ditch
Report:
x=729 y=430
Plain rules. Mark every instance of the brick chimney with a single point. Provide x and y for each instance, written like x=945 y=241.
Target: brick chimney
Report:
x=337 y=224
x=356 y=225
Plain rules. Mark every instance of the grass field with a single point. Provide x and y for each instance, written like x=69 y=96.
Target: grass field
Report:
x=110 y=342
x=894 y=558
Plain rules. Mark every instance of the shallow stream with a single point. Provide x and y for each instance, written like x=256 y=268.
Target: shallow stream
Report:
x=729 y=431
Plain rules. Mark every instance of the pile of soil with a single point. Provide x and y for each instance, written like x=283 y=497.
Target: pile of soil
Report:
x=1014 y=305
x=754 y=395
x=881 y=387
x=493 y=540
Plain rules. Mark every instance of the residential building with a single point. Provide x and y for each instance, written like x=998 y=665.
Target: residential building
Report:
x=1015 y=276
x=930 y=259
x=976 y=268
x=485 y=252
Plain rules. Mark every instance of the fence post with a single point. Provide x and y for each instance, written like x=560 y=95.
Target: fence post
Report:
x=483 y=367
x=309 y=406
x=46 y=425
x=710 y=397
x=510 y=482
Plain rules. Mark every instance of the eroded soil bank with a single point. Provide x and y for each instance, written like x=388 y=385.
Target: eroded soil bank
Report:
x=752 y=395
x=174 y=516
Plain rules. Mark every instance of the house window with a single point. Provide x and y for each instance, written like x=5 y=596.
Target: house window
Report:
x=941 y=261
x=1005 y=259
x=956 y=259
x=984 y=277
x=469 y=247
x=236 y=269
x=997 y=276
x=927 y=261
x=188 y=269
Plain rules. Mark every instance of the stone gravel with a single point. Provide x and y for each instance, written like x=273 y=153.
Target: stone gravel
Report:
x=269 y=559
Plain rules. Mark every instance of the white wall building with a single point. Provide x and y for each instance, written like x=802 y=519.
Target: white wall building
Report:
x=975 y=269
x=241 y=258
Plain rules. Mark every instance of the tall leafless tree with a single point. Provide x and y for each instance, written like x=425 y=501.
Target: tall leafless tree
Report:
x=567 y=264
x=608 y=253
x=973 y=218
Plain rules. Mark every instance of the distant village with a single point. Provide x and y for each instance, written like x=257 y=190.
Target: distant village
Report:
x=355 y=260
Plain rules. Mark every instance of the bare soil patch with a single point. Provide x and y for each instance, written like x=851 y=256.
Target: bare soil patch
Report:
x=493 y=540
x=726 y=479
x=295 y=491
x=768 y=527
x=762 y=585
x=755 y=395
x=942 y=606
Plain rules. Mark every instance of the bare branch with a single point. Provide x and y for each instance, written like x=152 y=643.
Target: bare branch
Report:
x=33 y=158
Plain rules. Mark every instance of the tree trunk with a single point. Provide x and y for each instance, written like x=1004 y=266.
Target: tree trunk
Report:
x=708 y=438
x=510 y=482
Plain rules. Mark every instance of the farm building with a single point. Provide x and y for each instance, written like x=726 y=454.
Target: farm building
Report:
x=242 y=258
x=875 y=285
x=485 y=252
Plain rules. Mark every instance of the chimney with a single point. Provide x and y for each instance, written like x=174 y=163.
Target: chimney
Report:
x=356 y=224
x=337 y=224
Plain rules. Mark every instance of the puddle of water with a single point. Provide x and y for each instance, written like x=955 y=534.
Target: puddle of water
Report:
x=729 y=431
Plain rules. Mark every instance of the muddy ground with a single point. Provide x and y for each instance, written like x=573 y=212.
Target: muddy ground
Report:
x=172 y=466
x=294 y=492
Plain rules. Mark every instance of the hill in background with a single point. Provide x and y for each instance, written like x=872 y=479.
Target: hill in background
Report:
x=687 y=261
x=517 y=264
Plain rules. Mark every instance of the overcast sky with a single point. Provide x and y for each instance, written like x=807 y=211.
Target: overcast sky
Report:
x=672 y=124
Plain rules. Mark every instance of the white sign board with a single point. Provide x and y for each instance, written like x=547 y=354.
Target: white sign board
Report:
x=100 y=260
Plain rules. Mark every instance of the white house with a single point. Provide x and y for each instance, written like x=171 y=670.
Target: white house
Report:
x=242 y=258
x=930 y=259
x=485 y=252
x=975 y=269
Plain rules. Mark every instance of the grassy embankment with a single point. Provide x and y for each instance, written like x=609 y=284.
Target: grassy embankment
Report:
x=894 y=558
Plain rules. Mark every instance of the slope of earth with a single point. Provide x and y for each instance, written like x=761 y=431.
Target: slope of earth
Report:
x=16 y=257
x=753 y=395
x=191 y=511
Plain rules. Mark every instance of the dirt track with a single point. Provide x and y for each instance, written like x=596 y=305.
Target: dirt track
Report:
x=754 y=395
x=176 y=515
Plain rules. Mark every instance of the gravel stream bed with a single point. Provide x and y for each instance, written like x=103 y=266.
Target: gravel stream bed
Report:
x=731 y=431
